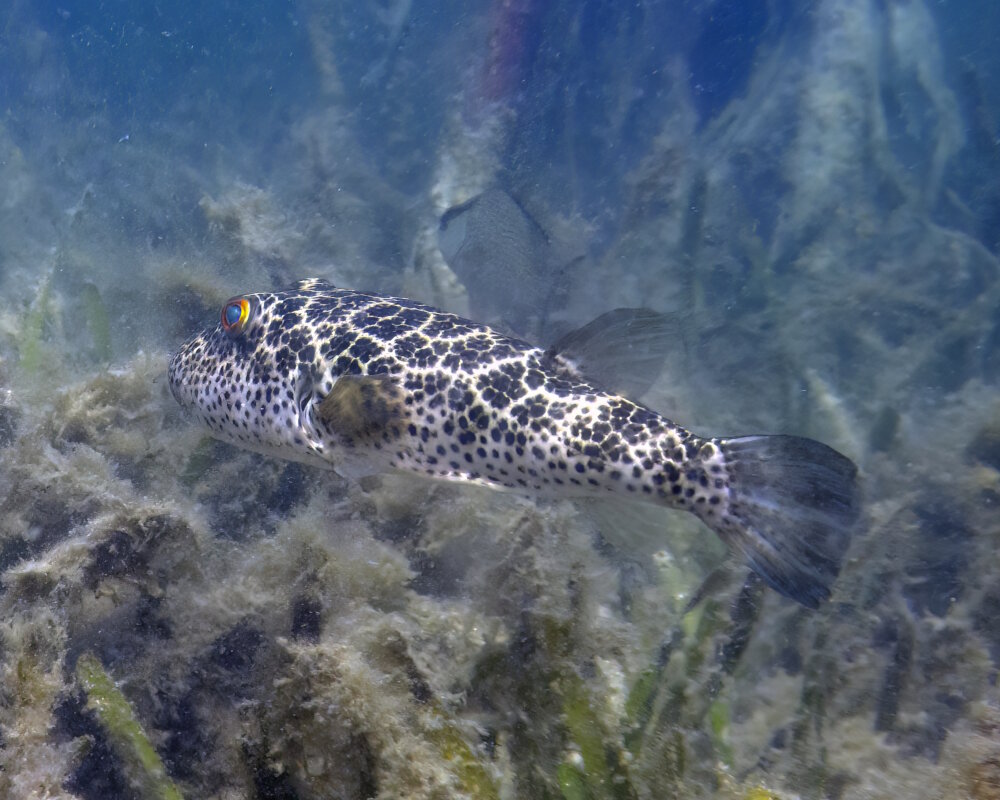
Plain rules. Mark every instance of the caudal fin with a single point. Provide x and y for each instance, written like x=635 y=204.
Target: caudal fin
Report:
x=793 y=503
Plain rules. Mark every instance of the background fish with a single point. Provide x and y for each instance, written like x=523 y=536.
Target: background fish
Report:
x=366 y=383
x=508 y=261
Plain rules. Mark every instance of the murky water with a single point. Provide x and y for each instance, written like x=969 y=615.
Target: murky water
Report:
x=810 y=192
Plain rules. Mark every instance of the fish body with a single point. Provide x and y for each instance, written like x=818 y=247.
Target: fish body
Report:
x=366 y=383
x=505 y=259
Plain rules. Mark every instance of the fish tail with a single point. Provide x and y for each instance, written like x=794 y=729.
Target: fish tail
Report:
x=792 y=505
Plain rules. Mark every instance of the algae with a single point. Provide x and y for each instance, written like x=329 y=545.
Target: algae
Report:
x=33 y=764
x=474 y=778
x=601 y=764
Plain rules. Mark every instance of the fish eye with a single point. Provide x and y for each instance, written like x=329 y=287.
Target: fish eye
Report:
x=236 y=315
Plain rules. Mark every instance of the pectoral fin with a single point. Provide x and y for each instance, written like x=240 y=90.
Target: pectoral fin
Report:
x=363 y=408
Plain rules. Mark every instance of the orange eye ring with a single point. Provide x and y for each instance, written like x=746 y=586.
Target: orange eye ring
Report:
x=235 y=316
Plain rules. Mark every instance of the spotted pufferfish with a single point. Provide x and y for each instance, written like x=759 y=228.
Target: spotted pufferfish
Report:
x=366 y=383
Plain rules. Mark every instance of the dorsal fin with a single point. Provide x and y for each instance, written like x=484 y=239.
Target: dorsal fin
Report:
x=363 y=407
x=622 y=351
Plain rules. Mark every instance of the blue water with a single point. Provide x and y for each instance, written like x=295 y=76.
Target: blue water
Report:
x=811 y=191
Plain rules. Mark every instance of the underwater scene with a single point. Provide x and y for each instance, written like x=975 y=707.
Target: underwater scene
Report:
x=251 y=538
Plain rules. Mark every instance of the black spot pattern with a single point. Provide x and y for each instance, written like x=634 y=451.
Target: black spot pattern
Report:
x=478 y=406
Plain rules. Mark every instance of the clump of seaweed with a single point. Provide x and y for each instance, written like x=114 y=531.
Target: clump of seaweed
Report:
x=33 y=678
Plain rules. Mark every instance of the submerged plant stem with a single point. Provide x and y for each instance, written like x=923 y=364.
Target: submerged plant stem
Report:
x=125 y=734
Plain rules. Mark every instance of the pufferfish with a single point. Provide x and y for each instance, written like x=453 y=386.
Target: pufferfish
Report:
x=366 y=383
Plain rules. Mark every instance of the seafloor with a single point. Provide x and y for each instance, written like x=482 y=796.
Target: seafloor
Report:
x=811 y=190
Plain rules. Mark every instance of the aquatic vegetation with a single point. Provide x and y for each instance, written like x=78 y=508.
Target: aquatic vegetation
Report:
x=97 y=320
x=592 y=768
x=33 y=764
x=130 y=742
x=31 y=348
